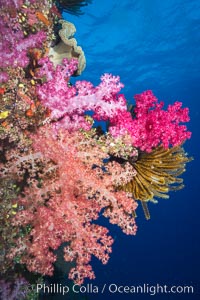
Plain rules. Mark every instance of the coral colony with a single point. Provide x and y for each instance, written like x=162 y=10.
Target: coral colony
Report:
x=59 y=171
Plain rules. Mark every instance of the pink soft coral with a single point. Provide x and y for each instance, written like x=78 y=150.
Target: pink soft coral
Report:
x=63 y=209
x=152 y=125
x=68 y=104
x=14 y=46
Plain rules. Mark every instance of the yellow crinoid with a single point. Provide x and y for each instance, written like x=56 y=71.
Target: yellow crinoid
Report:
x=157 y=174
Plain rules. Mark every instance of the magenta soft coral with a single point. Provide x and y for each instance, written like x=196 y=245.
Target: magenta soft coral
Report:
x=152 y=125
x=15 y=46
x=69 y=103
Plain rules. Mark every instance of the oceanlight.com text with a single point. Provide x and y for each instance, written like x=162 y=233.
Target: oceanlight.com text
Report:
x=150 y=289
x=113 y=288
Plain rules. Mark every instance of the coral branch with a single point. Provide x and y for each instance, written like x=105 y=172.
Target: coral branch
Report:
x=152 y=126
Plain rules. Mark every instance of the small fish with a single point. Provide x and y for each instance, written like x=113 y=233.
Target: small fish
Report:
x=42 y=18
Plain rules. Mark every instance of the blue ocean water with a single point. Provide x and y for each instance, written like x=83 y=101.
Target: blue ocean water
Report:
x=151 y=45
